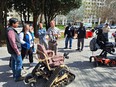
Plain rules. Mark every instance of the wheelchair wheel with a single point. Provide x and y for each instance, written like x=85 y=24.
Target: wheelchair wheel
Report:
x=111 y=64
x=96 y=64
x=90 y=59
x=32 y=84
x=37 y=68
x=27 y=79
x=60 y=78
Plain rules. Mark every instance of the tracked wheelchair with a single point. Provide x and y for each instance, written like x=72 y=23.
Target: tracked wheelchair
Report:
x=106 y=47
x=50 y=67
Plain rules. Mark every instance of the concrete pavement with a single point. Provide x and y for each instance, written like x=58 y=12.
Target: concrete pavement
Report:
x=86 y=74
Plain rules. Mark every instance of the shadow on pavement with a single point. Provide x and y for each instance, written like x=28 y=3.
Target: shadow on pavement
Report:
x=5 y=59
x=81 y=65
x=6 y=79
x=67 y=50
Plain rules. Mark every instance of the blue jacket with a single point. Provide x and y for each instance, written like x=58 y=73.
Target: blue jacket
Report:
x=42 y=33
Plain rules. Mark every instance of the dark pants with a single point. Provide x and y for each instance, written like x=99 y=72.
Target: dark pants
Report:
x=115 y=39
x=43 y=42
x=106 y=36
x=80 y=41
x=29 y=52
x=53 y=46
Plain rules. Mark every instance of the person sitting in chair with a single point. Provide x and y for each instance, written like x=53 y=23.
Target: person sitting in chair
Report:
x=101 y=39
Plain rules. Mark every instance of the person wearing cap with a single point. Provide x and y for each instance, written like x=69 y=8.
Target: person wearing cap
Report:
x=106 y=29
x=14 y=48
x=68 y=34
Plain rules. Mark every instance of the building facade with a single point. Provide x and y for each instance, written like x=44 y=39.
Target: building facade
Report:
x=91 y=10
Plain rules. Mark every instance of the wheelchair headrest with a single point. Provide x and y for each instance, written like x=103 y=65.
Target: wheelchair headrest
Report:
x=41 y=48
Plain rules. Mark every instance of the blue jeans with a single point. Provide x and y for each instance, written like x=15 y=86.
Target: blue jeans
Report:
x=68 y=39
x=43 y=42
x=16 y=65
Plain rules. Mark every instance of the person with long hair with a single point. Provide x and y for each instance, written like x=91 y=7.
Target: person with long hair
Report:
x=26 y=43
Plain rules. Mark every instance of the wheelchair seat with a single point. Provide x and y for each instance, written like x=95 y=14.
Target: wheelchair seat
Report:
x=49 y=56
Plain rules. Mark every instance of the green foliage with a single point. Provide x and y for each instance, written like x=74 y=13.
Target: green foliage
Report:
x=54 y=7
x=61 y=27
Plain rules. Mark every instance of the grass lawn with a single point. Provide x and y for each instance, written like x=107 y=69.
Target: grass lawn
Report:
x=61 y=27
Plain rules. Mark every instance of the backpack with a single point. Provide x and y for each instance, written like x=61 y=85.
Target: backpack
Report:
x=93 y=45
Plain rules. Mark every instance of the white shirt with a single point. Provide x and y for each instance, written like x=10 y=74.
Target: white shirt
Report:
x=21 y=36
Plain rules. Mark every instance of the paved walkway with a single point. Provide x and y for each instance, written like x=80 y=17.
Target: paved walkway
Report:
x=86 y=74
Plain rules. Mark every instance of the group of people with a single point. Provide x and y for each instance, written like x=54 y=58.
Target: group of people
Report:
x=53 y=33
x=22 y=45
x=19 y=45
x=70 y=33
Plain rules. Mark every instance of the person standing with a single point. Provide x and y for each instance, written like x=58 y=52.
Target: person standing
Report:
x=81 y=33
x=27 y=44
x=31 y=30
x=42 y=35
x=14 y=48
x=53 y=33
x=106 y=29
x=68 y=34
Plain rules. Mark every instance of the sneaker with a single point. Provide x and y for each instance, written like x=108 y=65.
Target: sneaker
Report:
x=19 y=79
x=32 y=64
x=70 y=48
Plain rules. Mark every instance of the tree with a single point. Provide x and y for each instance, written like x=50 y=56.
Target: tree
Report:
x=107 y=12
x=54 y=7
x=37 y=9
x=76 y=14
x=22 y=7
x=5 y=6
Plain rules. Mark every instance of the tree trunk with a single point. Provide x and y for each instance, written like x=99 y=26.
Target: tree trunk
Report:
x=28 y=15
x=21 y=20
x=41 y=18
x=35 y=17
x=24 y=16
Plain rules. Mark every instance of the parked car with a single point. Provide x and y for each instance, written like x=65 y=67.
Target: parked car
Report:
x=113 y=26
x=99 y=26
x=87 y=25
x=102 y=25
